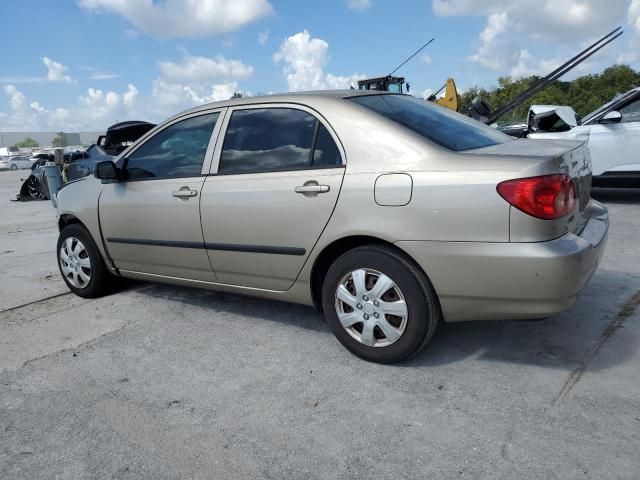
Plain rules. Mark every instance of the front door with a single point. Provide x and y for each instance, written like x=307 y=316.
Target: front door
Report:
x=617 y=145
x=151 y=218
x=279 y=176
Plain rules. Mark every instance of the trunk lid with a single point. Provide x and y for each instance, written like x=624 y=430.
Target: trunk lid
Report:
x=569 y=157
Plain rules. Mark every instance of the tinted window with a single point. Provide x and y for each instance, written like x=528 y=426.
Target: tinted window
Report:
x=438 y=124
x=176 y=151
x=631 y=112
x=267 y=139
x=325 y=152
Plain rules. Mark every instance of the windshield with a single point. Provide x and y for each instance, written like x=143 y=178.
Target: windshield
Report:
x=438 y=124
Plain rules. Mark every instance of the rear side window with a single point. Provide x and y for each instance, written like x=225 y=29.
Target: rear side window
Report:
x=177 y=151
x=325 y=151
x=438 y=124
x=276 y=139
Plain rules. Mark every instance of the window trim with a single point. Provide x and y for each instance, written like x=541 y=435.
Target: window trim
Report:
x=217 y=155
x=208 y=156
x=615 y=105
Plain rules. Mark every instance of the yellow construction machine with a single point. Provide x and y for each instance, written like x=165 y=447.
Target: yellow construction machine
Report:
x=451 y=99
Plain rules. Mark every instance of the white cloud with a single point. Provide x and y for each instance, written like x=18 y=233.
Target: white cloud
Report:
x=359 y=4
x=426 y=93
x=178 y=86
x=56 y=72
x=194 y=81
x=304 y=61
x=425 y=58
x=634 y=15
x=95 y=110
x=513 y=28
x=633 y=19
x=97 y=74
x=184 y=18
x=203 y=69
x=104 y=76
x=263 y=37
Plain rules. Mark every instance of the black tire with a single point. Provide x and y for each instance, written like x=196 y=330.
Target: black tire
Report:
x=421 y=302
x=14 y=167
x=101 y=281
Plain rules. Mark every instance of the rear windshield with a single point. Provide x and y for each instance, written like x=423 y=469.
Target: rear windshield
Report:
x=438 y=124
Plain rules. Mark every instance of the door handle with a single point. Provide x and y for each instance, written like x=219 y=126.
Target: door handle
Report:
x=185 y=193
x=310 y=188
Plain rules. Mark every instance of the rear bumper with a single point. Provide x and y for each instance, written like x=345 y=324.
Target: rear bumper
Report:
x=493 y=281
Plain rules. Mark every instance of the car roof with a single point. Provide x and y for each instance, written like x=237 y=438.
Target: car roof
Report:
x=294 y=97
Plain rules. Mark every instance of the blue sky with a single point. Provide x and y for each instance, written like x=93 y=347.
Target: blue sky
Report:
x=84 y=64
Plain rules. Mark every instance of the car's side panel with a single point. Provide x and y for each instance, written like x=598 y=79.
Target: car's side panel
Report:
x=152 y=225
x=258 y=230
x=147 y=229
x=614 y=145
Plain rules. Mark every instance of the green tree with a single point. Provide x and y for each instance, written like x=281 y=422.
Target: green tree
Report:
x=584 y=94
x=60 y=140
x=27 y=143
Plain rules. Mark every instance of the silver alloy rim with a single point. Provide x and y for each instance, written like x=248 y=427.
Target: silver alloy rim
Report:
x=371 y=307
x=75 y=262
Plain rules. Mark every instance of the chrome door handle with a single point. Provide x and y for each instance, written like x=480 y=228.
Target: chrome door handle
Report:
x=312 y=188
x=184 y=192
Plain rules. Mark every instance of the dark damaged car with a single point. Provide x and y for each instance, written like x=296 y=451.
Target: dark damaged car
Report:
x=80 y=164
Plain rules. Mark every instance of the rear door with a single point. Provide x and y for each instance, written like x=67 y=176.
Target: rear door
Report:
x=151 y=219
x=276 y=183
x=615 y=146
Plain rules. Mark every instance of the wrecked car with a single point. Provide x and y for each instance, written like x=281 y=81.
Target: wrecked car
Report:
x=547 y=118
x=79 y=164
x=612 y=133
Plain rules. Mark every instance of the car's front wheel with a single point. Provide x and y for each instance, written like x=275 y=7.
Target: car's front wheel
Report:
x=81 y=264
x=379 y=304
x=14 y=166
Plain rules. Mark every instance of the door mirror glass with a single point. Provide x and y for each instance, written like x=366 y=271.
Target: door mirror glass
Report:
x=612 y=117
x=106 y=170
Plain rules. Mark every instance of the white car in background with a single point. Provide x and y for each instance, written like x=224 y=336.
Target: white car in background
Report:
x=613 y=135
x=15 y=163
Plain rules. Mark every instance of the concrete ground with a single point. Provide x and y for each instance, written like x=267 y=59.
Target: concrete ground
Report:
x=163 y=382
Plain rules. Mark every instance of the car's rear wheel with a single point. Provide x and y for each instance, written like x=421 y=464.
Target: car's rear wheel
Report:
x=81 y=264
x=14 y=166
x=33 y=190
x=379 y=304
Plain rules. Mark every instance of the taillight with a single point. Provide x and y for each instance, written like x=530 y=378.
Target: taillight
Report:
x=547 y=197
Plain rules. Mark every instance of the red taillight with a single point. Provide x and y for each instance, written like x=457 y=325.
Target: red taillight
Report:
x=547 y=197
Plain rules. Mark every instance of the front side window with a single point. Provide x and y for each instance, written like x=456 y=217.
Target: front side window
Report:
x=177 y=151
x=265 y=139
x=631 y=112
x=438 y=124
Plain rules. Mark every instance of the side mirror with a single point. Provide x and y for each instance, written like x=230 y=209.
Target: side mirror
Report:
x=612 y=117
x=106 y=170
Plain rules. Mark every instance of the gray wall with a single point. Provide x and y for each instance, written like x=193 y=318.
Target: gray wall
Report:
x=44 y=139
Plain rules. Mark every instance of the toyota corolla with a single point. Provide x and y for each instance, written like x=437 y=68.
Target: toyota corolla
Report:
x=389 y=213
